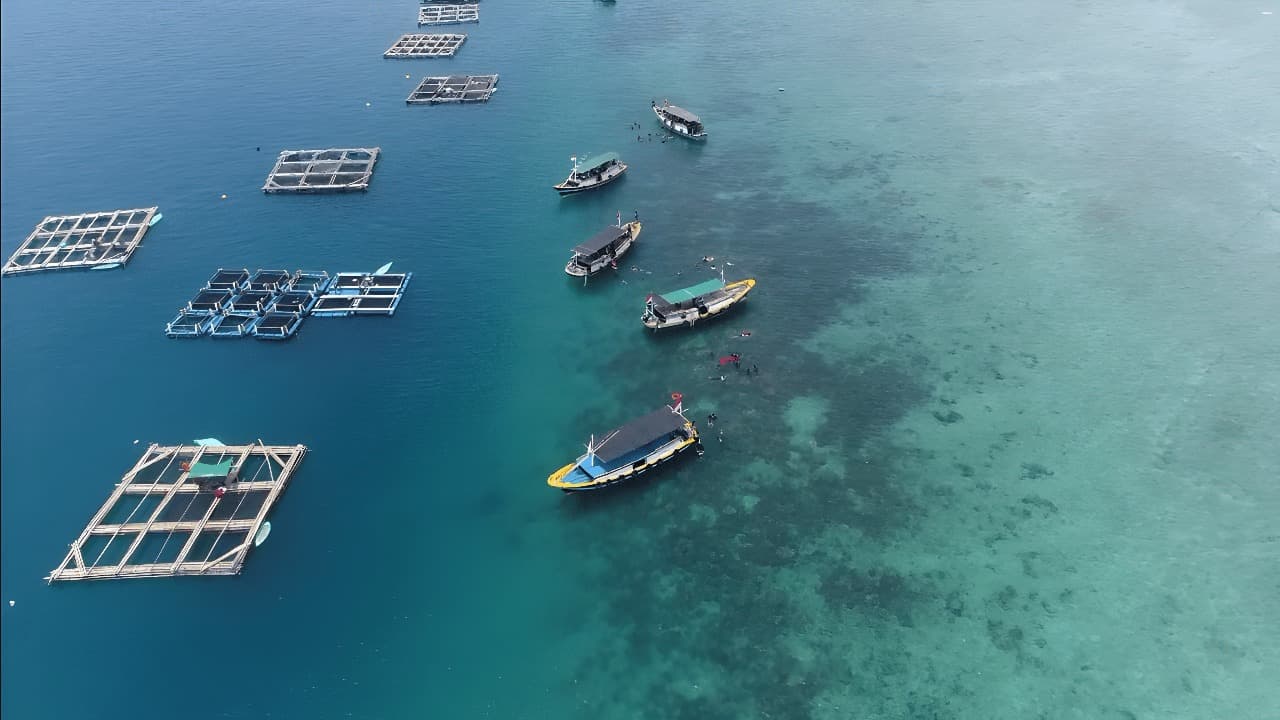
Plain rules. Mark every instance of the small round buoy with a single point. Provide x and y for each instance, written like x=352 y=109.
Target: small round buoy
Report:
x=406 y=76
x=135 y=442
x=12 y=603
x=224 y=196
x=367 y=104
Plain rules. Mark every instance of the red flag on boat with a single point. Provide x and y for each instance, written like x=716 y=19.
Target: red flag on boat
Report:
x=676 y=400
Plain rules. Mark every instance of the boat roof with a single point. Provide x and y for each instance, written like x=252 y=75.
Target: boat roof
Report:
x=601 y=240
x=638 y=433
x=693 y=291
x=681 y=113
x=596 y=161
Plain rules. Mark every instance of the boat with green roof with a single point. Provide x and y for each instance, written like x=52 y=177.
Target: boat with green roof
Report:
x=591 y=173
x=686 y=306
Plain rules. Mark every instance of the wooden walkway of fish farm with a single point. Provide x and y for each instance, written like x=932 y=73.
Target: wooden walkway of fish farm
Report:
x=448 y=14
x=88 y=240
x=425 y=46
x=315 y=171
x=160 y=522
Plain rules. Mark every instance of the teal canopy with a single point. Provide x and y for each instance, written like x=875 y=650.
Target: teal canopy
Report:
x=210 y=469
x=596 y=161
x=693 y=291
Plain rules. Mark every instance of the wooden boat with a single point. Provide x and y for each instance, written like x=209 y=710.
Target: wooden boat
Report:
x=592 y=173
x=602 y=250
x=697 y=302
x=628 y=451
x=680 y=121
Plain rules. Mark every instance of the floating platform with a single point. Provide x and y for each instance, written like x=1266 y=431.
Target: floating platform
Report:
x=182 y=510
x=190 y=325
x=98 y=241
x=434 y=14
x=425 y=46
x=363 y=294
x=453 y=89
x=277 y=325
x=317 y=171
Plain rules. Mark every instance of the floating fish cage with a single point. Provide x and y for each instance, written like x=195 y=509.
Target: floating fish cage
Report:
x=210 y=302
x=453 y=89
x=234 y=325
x=225 y=279
x=251 y=303
x=363 y=294
x=295 y=301
x=92 y=241
x=190 y=325
x=315 y=281
x=314 y=171
x=448 y=14
x=416 y=45
x=270 y=280
x=277 y=325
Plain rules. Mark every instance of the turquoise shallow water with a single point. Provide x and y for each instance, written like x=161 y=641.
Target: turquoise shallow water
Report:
x=1011 y=452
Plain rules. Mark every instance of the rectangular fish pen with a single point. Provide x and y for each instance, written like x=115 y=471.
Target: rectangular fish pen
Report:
x=315 y=171
x=448 y=14
x=93 y=241
x=425 y=46
x=278 y=325
x=190 y=325
x=453 y=89
x=182 y=510
x=234 y=326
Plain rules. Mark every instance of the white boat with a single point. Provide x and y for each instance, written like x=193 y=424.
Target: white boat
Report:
x=108 y=266
x=155 y=219
x=383 y=270
x=263 y=532
x=592 y=173
x=689 y=305
x=680 y=121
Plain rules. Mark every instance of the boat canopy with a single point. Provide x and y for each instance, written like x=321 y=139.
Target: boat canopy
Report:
x=676 y=297
x=601 y=240
x=682 y=114
x=207 y=469
x=597 y=161
x=638 y=433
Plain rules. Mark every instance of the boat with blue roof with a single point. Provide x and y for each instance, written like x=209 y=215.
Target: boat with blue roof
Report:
x=631 y=450
x=687 y=306
x=592 y=173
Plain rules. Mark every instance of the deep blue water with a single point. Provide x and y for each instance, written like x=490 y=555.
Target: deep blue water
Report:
x=910 y=511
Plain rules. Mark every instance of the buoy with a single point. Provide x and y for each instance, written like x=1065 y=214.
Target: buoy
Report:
x=406 y=76
x=367 y=104
x=224 y=196
x=782 y=89
x=135 y=442
x=12 y=603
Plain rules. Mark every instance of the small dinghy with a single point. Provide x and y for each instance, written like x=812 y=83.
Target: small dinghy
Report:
x=263 y=532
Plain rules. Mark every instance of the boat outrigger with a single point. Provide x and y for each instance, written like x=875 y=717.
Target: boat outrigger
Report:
x=603 y=249
x=680 y=121
x=696 y=302
x=624 y=453
x=592 y=173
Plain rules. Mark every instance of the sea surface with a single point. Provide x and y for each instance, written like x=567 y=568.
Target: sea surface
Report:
x=1012 y=450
